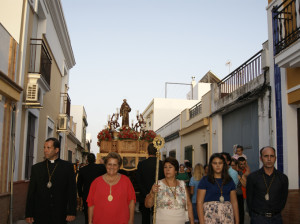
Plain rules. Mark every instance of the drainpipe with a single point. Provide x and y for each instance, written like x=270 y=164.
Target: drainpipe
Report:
x=12 y=155
x=269 y=106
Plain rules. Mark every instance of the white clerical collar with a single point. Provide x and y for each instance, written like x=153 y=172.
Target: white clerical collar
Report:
x=52 y=161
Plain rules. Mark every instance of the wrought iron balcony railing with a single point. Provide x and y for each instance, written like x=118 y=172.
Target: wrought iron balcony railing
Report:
x=286 y=24
x=195 y=110
x=245 y=73
x=40 y=59
x=66 y=103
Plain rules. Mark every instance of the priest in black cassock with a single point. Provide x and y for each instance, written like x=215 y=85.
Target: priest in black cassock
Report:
x=51 y=197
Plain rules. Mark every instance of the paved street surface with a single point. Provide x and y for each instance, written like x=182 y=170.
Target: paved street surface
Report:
x=137 y=218
x=80 y=218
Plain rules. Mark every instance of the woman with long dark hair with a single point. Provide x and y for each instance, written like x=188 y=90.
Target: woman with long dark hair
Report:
x=216 y=197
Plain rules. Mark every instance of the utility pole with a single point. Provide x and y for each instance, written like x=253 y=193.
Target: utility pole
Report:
x=177 y=83
x=228 y=63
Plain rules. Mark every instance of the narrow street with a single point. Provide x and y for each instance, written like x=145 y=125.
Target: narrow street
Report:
x=80 y=218
x=137 y=218
x=83 y=82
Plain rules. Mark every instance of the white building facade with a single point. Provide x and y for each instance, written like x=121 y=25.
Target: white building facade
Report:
x=162 y=110
x=284 y=57
x=170 y=132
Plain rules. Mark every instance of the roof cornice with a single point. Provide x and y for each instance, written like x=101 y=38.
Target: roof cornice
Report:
x=61 y=28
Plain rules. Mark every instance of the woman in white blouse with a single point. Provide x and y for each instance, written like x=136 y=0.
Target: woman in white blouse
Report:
x=173 y=198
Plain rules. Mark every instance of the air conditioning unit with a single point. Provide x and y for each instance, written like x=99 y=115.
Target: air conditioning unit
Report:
x=32 y=92
x=62 y=122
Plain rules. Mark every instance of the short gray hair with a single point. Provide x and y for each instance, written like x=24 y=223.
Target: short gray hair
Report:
x=113 y=155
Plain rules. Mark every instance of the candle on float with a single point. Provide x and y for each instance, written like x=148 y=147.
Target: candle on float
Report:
x=108 y=118
x=137 y=113
x=118 y=110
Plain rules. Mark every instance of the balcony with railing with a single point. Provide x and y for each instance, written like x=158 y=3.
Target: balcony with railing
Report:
x=286 y=33
x=195 y=110
x=286 y=24
x=66 y=109
x=40 y=59
x=245 y=73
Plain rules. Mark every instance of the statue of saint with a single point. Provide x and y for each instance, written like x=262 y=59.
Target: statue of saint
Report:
x=124 y=113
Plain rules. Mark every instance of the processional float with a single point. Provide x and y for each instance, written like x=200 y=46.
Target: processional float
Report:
x=129 y=139
x=130 y=142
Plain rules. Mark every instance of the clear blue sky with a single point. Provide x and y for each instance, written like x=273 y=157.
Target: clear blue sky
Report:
x=128 y=49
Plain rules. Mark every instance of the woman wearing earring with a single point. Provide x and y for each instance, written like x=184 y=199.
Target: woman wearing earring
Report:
x=111 y=197
x=216 y=197
x=172 y=197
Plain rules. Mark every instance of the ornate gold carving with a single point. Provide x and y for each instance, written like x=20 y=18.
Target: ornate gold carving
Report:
x=158 y=142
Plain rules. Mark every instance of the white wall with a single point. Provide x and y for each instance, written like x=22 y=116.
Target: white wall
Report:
x=55 y=46
x=10 y=17
x=199 y=90
x=77 y=113
x=167 y=109
x=168 y=129
x=173 y=145
x=216 y=132
x=264 y=122
x=289 y=115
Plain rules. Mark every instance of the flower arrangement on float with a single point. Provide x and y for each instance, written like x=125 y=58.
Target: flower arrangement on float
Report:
x=127 y=133
x=104 y=135
x=148 y=136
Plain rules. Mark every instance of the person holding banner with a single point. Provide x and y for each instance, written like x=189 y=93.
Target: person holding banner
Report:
x=173 y=199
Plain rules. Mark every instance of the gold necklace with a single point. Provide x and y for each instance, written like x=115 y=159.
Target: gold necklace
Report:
x=49 y=184
x=267 y=196
x=221 y=189
x=173 y=192
x=110 y=197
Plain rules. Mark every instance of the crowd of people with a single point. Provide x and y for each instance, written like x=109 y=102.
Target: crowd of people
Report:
x=218 y=192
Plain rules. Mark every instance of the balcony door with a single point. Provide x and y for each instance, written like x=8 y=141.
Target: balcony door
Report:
x=30 y=144
x=188 y=153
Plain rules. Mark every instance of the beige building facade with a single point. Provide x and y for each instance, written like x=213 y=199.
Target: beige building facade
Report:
x=35 y=59
x=195 y=132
